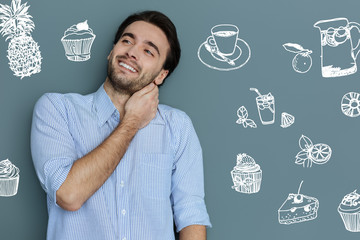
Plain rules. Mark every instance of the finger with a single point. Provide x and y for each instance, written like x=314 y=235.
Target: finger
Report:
x=154 y=92
x=150 y=87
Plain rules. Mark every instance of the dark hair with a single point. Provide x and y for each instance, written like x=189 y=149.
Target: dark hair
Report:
x=164 y=23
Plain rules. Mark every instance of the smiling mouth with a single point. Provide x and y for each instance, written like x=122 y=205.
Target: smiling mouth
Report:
x=127 y=67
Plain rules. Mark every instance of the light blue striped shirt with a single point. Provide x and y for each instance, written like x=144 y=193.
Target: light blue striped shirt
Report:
x=158 y=181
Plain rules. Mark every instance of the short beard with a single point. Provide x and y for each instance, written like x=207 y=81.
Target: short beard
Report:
x=127 y=87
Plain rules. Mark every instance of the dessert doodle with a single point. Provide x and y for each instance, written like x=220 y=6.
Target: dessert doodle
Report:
x=77 y=42
x=242 y=113
x=23 y=52
x=9 y=178
x=319 y=153
x=302 y=61
x=287 y=120
x=349 y=210
x=350 y=104
x=246 y=175
x=266 y=107
x=298 y=208
x=338 y=56
x=223 y=50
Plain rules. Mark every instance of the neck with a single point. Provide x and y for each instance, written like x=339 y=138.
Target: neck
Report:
x=119 y=99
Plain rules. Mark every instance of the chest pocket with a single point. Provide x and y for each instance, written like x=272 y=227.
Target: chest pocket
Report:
x=155 y=172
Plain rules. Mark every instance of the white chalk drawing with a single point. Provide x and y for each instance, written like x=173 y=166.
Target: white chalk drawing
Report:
x=23 y=52
x=338 y=56
x=298 y=208
x=349 y=210
x=287 y=120
x=319 y=153
x=9 y=179
x=77 y=42
x=350 y=104
x=302 y=61
x=223 y=50
x=266 y=107
x=246 y=175
x=242 y=113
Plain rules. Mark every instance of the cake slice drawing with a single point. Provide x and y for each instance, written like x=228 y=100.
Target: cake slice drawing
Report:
x=298 y=208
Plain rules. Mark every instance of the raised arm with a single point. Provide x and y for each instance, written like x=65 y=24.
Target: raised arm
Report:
x=89 y=173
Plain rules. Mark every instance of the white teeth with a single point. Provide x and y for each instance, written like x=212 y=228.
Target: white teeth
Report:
x=127 y=66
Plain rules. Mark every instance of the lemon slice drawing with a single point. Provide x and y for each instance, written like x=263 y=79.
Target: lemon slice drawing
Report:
x=287 y=120
x=320 y=153
x=350 y=104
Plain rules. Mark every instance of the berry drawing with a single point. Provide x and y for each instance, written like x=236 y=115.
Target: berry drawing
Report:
x=319 y=153
x=23 y=52
x=302 y=61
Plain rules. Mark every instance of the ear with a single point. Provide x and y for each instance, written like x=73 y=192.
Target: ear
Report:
x=161 y=76
x=108 y=57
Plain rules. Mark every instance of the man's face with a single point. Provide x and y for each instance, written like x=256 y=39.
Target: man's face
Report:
x=137 y=58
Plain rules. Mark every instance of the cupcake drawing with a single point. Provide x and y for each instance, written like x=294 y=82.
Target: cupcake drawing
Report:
x=246 y=175
x=349 y=210
x=77 y=41
x=9 y=179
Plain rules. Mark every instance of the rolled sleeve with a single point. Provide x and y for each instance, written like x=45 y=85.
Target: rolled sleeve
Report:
x=52 y=146
x=188 y=178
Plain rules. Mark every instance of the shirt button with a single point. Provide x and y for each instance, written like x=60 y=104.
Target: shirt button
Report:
x=122 y=184
x=124 y=238
x=123 y=212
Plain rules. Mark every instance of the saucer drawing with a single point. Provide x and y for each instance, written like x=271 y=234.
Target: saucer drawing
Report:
x=212 y=60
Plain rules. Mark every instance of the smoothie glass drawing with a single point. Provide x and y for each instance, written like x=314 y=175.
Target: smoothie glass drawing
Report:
x=266 y=107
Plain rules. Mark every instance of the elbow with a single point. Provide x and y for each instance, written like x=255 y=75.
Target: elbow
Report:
x=68 y=201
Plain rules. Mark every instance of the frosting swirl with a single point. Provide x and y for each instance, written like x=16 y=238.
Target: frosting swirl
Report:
x=8 y=170
x=350 y=203
x=245 y=163
x=79 y=29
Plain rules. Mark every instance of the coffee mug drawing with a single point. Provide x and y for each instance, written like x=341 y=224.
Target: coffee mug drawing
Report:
x=223 y=50
x=224 y=38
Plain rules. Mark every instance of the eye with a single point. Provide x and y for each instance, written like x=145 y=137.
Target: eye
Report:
x=147 y=51
x=126 y=41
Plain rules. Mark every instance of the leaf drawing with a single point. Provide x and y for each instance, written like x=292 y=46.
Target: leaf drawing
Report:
x=305 y=143
x=293 y=47
x=242 y=113
x=250 y=123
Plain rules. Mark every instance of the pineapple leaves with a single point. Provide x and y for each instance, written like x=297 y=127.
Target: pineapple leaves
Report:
x=15 y=20
x=5 y=11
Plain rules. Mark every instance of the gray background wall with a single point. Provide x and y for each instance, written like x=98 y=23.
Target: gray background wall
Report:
x=211 y=99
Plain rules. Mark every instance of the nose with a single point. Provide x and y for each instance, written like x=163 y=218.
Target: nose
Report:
x=133 y=52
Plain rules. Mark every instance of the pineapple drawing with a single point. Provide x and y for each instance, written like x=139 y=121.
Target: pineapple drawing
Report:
x=23 y=52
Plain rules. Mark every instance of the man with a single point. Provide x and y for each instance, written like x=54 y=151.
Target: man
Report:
x=115 y=164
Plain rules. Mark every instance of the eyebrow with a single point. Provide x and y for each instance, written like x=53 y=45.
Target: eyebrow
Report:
x=151 y=44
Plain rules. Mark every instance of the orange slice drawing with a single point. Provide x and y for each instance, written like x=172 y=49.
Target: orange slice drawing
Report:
x=350 y=104
x=320 y=153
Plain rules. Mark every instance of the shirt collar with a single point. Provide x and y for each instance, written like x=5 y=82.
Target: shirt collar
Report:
x=103 y=105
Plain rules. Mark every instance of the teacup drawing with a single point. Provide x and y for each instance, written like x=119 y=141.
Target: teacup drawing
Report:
x=224 y=38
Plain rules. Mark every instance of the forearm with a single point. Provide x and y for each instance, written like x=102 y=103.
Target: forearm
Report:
x=90 y=172
x=193 y=232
